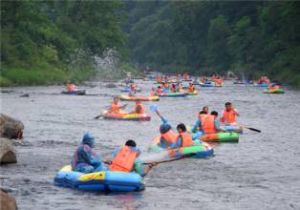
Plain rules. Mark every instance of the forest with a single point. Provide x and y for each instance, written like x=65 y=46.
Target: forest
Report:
x=51 y=41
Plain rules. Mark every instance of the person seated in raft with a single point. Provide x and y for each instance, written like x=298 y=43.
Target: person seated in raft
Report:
x=85 y=159
x=185 y=138
x=196 y=129
x=71 y=87
x=125 y=159
x=205 y=109
x=116 y=107
x=229 y=114
x=173 y=88
x=191 y=88
x=139 y=108
x=159 y=90
x=210 y=123
x=275 y=86
x=153 y=92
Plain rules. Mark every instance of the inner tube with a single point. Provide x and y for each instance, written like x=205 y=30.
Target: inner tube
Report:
x=139 y=98
x=103 y=181
x=274 y=91
x=222 y=137
x=126 y=116
x=173 y=94
x=75 y=92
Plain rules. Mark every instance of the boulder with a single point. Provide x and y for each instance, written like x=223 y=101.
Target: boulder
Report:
x=7 y=202
x=7 y=151
x=10 y=128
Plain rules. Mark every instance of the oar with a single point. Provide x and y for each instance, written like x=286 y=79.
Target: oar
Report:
x=97 y=117
x=252 y=129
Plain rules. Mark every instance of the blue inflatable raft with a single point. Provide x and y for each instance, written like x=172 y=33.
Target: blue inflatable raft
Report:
x=104 y=181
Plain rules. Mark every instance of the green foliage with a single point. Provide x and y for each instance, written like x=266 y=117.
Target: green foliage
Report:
x=249 y=38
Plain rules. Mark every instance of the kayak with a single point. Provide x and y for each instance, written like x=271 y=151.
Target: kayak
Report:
x=103 y=181
x=157 y=153
x=127 y=89
x=173 y=94
x=126 y=116
x=274 y=91
x=75 y=92
x=222 y=137
x=139 y=98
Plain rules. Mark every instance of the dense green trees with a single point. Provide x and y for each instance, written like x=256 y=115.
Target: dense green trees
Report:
x=250 y=38
x=39 y=40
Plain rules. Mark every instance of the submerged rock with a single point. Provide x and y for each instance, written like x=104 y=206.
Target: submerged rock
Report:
x=7 y=151
x=7 y=202
x=10 y=127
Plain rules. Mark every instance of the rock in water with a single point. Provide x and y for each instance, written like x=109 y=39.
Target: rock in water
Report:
x=7 y=202
x=7 y=152
x=10 y=128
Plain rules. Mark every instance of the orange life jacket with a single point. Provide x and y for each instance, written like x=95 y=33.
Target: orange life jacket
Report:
x=228 y=117
x=186 y=139
x=191 y=88
x=208 y=124
x=115 y=107
x=124 y=160
x=170 y=136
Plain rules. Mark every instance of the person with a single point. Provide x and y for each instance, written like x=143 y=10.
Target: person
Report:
x=71 y=87
x=116 y=106
x=159 y=90
x=229 y=114
x=173 y=87
x=184 y=136
x=125 y=159
x=275 y=86
x=85 y=159
x=191 y=87
x=153 y=92
x=139 y=108
x=202 y=114
x=210 y=124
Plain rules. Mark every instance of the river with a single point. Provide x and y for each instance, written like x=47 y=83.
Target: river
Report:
x=262 y=171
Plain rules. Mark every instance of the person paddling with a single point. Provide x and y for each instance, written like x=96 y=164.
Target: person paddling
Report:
x=85 y=159
x=125 y=159
x=116 y=107
x=229 y=114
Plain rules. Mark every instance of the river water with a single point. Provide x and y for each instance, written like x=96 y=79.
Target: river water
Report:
x=262 y=171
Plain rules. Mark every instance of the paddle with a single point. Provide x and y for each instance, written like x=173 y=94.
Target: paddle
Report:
x=101 y=115
x=252 y=129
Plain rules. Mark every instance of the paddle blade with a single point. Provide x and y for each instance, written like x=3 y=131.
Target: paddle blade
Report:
x=254 y=129
x=153 y=107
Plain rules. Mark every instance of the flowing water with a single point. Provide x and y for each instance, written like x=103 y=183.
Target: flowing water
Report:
x=262 y=171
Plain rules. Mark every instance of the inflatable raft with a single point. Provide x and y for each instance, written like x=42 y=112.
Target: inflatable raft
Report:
x=76 y=92
x=261 y=84
x=127 y=89
x=173 y=94
x=222 y=137
x=194 y=93
x=139 y=98
x=274 y=91
x=157 y=153
x=126 y=116
x=104 y=181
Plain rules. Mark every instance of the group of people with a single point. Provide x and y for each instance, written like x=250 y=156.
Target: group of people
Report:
x=124 y=159
x=172 y=87
x=207 y=123
x=117 y=108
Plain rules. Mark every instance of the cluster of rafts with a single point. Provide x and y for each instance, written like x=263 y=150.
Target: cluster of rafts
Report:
x=107 y=181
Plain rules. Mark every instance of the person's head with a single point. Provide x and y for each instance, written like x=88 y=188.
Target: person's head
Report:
x=116 y=99
x=159 y=87
x=164 y=128
x=88 y=139
x=214 y=113
x=205 y=109
x=130 y=143
x=181 y=128
x=228 y=106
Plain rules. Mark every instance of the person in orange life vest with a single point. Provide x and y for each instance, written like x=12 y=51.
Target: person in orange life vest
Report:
x=126 y=159
x=185 y=137
x=197 y=126
x=229 y=114
x=210 y=123
x=116 y=106
x=191 y=88
x=71 y=87
x=139 y=108
x=275 y=86
x=169 y=138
